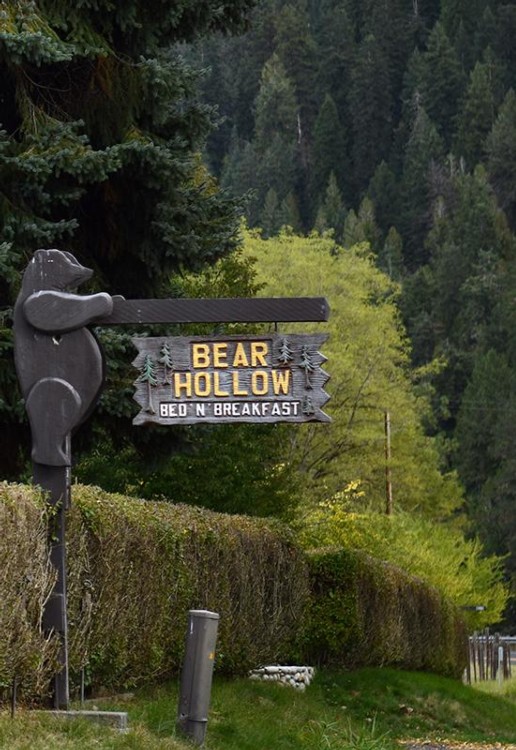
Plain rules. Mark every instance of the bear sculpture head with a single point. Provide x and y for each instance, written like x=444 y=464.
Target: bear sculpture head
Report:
x=54 y=270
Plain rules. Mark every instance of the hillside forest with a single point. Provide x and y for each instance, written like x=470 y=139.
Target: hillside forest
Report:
x=362 y=150
x=394 y=123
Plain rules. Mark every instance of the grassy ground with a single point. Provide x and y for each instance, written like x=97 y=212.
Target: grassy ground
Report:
x=370 y=709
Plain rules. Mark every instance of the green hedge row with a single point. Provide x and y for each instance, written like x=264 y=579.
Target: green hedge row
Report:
x=367 y=612
x=26 y=580
x=135 y=568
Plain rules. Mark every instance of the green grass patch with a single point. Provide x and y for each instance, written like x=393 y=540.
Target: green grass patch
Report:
x=504 y=689
x=368 y=709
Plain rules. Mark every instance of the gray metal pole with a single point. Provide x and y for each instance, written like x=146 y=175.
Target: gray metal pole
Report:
x=197 y=674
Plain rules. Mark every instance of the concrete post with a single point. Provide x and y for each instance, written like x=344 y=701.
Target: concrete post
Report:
x=197 y=674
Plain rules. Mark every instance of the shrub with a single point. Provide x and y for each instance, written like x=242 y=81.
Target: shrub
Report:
x=367 y=612
x=439 y=553
x=137 y=567
x=26 y=580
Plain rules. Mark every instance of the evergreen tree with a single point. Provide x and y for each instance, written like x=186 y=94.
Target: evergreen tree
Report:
x=503 y=46
x=289 y=213
x=97 y=155
x=422 y=16
x=277 y=169
x=371 y=107
x=462 y=13
x=329 y=150
x=384 y=192
x=423 y=148
x=240 y=177
x=390 y=257
x=470 y=12
x=368 y=225
x=335 y=37
x=352 y=232
x=470 y=246
x=276 y=106
x=501 y=150
x=332 y=213
x=388 y=23
x=411 y=102
x=413 y=83
x=476 y=116
x=417 y=300
x=276 y=139
x=361 y=227
x=442 y=83
x=250 y=53
x=297 y=50
x=270 y=220
x=486 y=397
x=485 y=438
x=485 y=36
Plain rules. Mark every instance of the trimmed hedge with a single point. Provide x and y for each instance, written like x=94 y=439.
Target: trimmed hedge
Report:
x=367 y=612
x=26 y=580
x=135 y=568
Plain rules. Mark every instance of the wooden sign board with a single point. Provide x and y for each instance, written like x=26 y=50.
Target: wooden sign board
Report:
x=259 y=379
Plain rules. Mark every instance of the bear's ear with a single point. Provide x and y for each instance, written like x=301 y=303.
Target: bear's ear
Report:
x=71 y=257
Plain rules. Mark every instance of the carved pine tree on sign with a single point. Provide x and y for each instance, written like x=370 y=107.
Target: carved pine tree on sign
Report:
x=166 y=361
x=307 y=365
x=285 y=355
x=148 y=375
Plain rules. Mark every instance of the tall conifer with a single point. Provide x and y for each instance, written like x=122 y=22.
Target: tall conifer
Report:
x=476 y=116
x=501 y=148
x=330 y=150
x=442 y=83
x=99 y=137
x=371 y=107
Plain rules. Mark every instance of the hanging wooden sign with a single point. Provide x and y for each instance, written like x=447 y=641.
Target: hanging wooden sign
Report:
x=270 y=378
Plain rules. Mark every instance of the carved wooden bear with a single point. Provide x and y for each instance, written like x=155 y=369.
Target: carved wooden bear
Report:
x=59 y=362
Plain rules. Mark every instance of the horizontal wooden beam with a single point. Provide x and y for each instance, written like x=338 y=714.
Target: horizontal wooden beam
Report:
x=235 y=310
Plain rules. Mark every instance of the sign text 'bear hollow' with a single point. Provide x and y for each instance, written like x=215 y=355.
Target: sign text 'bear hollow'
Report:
x=268 y=378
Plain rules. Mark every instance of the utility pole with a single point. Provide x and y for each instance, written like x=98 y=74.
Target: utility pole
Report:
x=388 y=478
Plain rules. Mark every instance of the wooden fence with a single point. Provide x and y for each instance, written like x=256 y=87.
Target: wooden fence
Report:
x=489 y=656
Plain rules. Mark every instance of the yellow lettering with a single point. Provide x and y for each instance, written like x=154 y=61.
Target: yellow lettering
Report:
x=182 y=381
x=237 y=391
x=217 y=390
x=220 y=355
x=240 y=357
x=280 y=381
x=200 y=356
x=259 y=390
x=202 y=384
x=258 y=351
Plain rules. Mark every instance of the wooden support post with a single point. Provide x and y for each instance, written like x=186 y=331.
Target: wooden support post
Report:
x=55 y=481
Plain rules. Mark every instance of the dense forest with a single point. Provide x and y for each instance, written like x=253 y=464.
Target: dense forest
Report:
x=394 y=122
x=371 y=145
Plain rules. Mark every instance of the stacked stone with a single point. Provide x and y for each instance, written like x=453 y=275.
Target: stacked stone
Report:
x=297 y=677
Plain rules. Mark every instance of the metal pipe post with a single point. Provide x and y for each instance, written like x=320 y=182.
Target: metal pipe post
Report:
x=197 y=674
